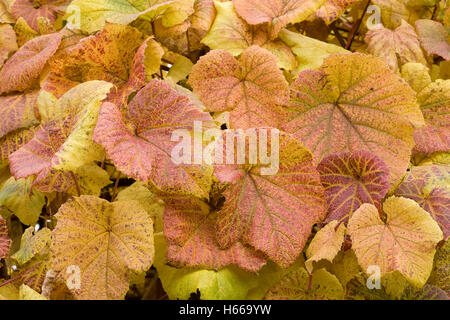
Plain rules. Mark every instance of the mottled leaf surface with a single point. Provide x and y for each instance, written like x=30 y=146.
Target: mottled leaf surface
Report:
x=139 y=143
x=273 y=213
x=277 y=13
x=295 y=286
x=351 y=179
x=405 y=241
x=354 y=102
x=251 y=88
x=104 y=240
x=429 y=187
x=22 y=70
x=189 y=227
x=434 y=37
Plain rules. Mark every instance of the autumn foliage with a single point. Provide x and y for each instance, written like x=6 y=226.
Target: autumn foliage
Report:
x=356 y=94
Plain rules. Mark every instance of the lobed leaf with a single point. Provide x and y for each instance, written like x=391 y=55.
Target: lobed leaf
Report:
x=106 y=241
x=18 y=197
x=325 y=245
x=428 y=186
x=297 y=286
x=405 y=241
x=273 y=213
x=351 y=179
x=231 y=33
x=354 y=102
x=189 y=227
x=5 y=241
x=276 y=13
x=387 y=44
x=250 y=88
x=22 y=70
x=434 y=37
x=139 y=142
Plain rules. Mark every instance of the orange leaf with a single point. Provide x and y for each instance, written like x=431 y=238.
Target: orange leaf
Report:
x=250 y=88
x=23 y=69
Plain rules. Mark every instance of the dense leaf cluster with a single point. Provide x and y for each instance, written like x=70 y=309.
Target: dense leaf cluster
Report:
x=353 y=95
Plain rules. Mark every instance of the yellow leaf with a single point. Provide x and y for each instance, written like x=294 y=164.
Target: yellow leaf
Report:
x=84 y=101
x=309 y=52
x=231 y=33
x=295 y=286
x=26 y=293
x=24 y=32
x=416 y=74
x=9 y=291
x=91 y=15
x=104 y=241
x=180 y=69
x=152 y=205
x=406 y=241
x=91 y=180
x=26 y=204
x=228 y=283
x=325 y=244
x=345 y=266
x=31 y=244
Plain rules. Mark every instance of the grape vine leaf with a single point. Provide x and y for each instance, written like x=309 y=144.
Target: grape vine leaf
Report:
x=23 y=69
x=17 y=111
x=225 y=284
x=434 y=37
x=27 y=293
x=326 y=244
x=434 y=102
x=251 y=88
x=145 y=133
x=66 y=142
x=440 y=276
x=231 y=33
x=189 y=227
x=31 y=11
x=31 y=244
x=351 y=179
x=405 y=241
x=8 y=42
x=118 y=235
x=273 y=213
x=93 y=15
x=333 y=9
x=111 y=55
x=309 y=52
x=429 y=187
x=276 y=13
x=295 y=286
x=388 y=44
x=5 y=241
x=354 y=102
x=19 y=198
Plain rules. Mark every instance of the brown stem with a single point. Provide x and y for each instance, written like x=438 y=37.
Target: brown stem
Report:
x=355 y=28
x=75 y=180
x=188 y=43
x=9 y=281
x=337 y=34
x=309 y=283
x=116 y=184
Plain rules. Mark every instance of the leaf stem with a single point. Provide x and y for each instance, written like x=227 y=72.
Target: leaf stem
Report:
x=116 y=184
x=9 y=281
x=75 y=180
x=355 y=28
